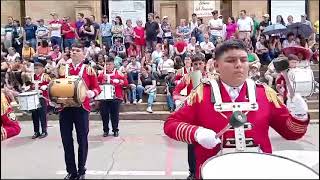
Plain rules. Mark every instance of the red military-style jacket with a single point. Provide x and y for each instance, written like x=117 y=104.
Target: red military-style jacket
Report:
x=89 y=77
x=9 y=124
x=182 y=124
x=114 y=75
x=44 y=81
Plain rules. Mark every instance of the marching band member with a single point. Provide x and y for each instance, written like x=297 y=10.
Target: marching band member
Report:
x=110 y=108
x=197 y=64
x=79 y=116
x=9 y=125
x=198 y=122
x=40 y=83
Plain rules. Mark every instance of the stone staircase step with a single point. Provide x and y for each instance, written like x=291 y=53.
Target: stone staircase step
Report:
x=159 y=98
x=314 y=113
x=313 y=104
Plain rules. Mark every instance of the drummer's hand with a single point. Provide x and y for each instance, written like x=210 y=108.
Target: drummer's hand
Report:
x=90 y=94
x=206 y=138
x=116 y=81
x=44 y=87
x=298 y=107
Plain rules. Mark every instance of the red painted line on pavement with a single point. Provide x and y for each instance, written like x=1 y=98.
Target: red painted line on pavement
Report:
x=169 y=158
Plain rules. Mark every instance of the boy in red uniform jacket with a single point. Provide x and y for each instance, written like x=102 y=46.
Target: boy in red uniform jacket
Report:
x=111 y=107
x=198 y=121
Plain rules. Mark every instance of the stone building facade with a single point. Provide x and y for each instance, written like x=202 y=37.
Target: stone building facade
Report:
x=175 y=9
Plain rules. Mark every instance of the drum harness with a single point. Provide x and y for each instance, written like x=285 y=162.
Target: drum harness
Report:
x=240 y=141
x=36 y=84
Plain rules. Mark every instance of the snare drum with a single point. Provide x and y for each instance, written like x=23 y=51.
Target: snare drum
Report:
x=28 y=101
x=250 y=165
x=107 y=92
x=70 y=92
x=302 y=81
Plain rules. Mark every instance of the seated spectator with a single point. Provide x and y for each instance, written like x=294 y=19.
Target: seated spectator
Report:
x=146 y=59
x=27 y=51
x=262 y=50
x=4 y=50
x=157 y=54
x=180 y=48
x=274 y=47
x=27 y=72
x=66 y=59
x=118 y=46
x=132 y=50
x=170 y=85
x=253 y=58
x=198 y=51
x=92 y=50
x=270 y=75
x=50 y=67
x=168 y=48
x=315 y=53
x=15 y=74
x=117 y=59
x=12 y=55
x=219 y=41
x=301 y=41
x=254 y=72
x=100 y=65
x=178 y=63
x=192 y=45
x=133 y=70
x=290 y=41
x=146 y=84
x=165 y=66
x=126 y=89
x=211 y=70
x=207 y=47
x=43 y=49
x=55 y=54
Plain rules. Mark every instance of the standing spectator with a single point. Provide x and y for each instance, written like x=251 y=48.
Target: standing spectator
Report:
x=193 y=24
x=42 y=32
x=69 y=32
x=27 y=51
x=245 y=25
x=43 y=49
x=255 y=33
x=202 y=29
x=168 y=48
x=262 y=50
x=316 y=29
x=166 y=27
x=263 y=24
x=170 y=85
x=279 y=20
x=133 y=70
x=290 y=20
x=117 y=29
x=55 y=54
x=55 y=30
x=208 y=47
x=105 y=32
x=305 y=21
x=96 y=27
x=30 y=32
x=290 y=41
x=79 y=22
x=128 y=34
x=87 y=32
x=147 y=84
x=8 y=33
x=180 y=47
x=152 y=29
x=17 y=36
x=160 y=34
x=232 y=27
x=183 y=31
x=139 y=38
x=215 y=27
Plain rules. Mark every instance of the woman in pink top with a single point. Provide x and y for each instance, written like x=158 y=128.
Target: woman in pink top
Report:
x=232 y=27
x=55 y=54
x=139 y=38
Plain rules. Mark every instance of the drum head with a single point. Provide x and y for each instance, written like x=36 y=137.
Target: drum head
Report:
x=249 y=165
x=81 y=91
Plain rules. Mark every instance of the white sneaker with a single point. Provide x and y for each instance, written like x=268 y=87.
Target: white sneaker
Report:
x=140 y=101
x=135 y=102
x=149 y=109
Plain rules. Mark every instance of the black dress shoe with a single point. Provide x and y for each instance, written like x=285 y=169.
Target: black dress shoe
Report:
x=71 y=176
x=83 y=176
x=116 y=134
x=43 y=135
x=191 y=176
x=36 y=135
x=105 y=134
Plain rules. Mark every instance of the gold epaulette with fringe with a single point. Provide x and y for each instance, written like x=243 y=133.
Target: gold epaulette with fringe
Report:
x=272 y=96
x=187 y=78
x=196 y=95
x=46 y=77
x=91 y=71
x=4 y=104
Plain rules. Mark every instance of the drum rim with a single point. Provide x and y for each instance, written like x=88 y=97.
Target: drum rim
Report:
x=268 y=154
x=28 y=93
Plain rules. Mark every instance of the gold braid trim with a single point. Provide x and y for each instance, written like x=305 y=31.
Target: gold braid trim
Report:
x=46 y=77
x=272 y=96
x=198 y=92
x=4 y=104
x=91 y=71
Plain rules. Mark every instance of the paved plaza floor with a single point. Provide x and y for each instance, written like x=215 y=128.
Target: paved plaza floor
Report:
x=141 y=151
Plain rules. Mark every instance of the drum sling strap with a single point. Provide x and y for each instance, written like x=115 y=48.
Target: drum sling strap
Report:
x=220 y=107
x=80 y=73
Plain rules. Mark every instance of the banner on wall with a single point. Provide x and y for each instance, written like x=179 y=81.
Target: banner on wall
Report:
x=286 y=8
x=133 y=10
x=204 y=8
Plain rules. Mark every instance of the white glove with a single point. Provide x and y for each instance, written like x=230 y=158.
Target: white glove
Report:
x=44 y=87
x=90 y=94
x=298 y=107
x=206 y=138
x=116 y=81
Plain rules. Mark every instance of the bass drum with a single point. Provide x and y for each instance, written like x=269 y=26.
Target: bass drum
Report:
x=302 y=81
x=253 y=165
x=69 y=92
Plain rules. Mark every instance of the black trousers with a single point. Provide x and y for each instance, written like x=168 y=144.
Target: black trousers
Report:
x=40 y=115
x=191 y=159
x=80 y=118
x=110 y=109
